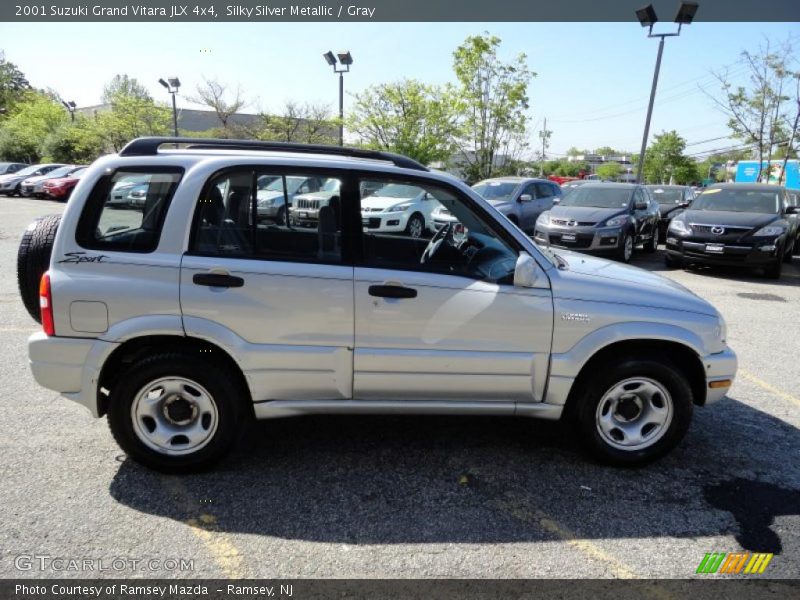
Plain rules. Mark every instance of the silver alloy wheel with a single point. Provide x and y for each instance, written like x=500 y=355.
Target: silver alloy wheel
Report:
x=634 y=414
x=415 y=227
x=628 y=249
x=174 y=416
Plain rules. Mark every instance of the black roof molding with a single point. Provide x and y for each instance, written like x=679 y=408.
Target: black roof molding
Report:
x=148 y=146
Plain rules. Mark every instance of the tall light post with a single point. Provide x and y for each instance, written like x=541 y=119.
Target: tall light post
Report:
x=647 y=17
x=345 y=60
x=70 y=106
x=172 y=88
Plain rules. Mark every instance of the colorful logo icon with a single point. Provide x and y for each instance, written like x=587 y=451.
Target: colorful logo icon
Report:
x=734 y=563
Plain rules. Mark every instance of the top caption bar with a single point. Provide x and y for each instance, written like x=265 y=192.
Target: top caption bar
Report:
x=387 y=10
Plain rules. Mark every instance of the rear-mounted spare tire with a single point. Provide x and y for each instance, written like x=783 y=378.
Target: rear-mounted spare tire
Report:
x=33 y=259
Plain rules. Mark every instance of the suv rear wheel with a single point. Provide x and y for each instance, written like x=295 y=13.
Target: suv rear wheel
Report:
x=635 y=411
x=173 y=412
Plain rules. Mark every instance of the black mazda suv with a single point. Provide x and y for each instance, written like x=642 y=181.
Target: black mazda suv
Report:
x=751 y=225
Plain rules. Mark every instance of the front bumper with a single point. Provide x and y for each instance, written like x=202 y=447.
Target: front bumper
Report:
x=586 y=239
x=304 y=216
x=729 y=253
x=8 y=187
x=720 y=367
x=385 y=222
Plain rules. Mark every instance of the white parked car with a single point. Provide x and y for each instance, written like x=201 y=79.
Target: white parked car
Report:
x=398 y=208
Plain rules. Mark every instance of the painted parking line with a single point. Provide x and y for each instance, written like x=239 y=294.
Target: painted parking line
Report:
x=769 y=387
x=204 y=526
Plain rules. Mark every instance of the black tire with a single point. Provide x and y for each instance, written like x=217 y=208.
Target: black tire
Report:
x=796 y=249
x=415 y=226
x=33 y=259
x=787 y=254
x=656 y=368
x=672 y=262
x=773 y=271
x=621 y=253
x=227 y=396
x=651 y=245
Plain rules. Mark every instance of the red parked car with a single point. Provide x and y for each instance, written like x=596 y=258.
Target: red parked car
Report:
x=61 y=188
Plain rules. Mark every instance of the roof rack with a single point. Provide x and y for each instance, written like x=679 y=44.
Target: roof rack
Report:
x=148 y=146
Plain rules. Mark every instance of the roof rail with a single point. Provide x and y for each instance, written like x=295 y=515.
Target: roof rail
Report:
x=148 y=146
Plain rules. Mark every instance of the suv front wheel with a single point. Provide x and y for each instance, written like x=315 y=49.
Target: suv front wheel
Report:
x=173 y=412
x=635 y=411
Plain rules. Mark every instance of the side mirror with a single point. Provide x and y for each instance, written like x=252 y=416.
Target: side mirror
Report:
x=792 y=210
x=525 y=271
x=556 y=199
x=525 y=198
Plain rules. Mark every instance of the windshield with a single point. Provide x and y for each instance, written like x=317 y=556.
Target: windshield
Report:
x=292 y=184
x=60 y=172
x=331 y=185
x=597 y=197
x=29 y=170
x=398 y=190
x=495 y=190
x=732 y=200
x=667 y=196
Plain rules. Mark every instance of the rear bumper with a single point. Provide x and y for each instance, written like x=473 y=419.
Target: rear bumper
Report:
x=69 y=366
x=719 y=367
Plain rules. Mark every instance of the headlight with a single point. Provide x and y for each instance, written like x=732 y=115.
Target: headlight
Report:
x=266 y=202
x=615 y=221
x=769 y=231
x=680 y=227
x=399 y=207
x=543 y=219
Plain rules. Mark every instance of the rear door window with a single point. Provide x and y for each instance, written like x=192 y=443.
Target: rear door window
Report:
x=125 y=211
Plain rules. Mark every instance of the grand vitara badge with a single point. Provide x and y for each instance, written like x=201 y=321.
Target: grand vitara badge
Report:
x=578 y=317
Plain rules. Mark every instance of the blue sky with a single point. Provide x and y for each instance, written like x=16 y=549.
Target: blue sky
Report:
x=593 y=78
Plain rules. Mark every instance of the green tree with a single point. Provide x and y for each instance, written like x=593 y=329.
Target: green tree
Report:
x=764 y=112
x=125 y=86
x=492 y=104
x=133 y=114
x=13 y=85
x=664 y=156
x=609 y=170
x=31 y=120
x=78 y=142
x=407 y=117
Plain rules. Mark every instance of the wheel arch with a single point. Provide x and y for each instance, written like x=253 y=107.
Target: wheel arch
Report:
x=685 y=357
x=135 y=348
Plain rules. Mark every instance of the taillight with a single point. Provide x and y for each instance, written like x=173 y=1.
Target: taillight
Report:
x=46 y=305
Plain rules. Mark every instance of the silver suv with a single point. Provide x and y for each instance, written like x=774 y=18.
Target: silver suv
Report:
x=184 y=316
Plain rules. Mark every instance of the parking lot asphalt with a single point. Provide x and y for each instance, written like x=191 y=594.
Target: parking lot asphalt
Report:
x=411 y=496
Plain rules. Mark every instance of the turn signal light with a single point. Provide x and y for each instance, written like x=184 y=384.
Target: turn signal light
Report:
x=722 y=383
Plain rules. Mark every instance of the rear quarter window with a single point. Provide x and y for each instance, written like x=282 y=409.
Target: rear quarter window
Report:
x=126 y=209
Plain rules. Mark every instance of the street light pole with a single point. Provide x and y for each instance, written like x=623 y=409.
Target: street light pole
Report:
x=172 y=88
x=640 y=167
x=341 y=108
x=345 y=59
x=70 y=106
x=174 y=114
x=647 y=18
